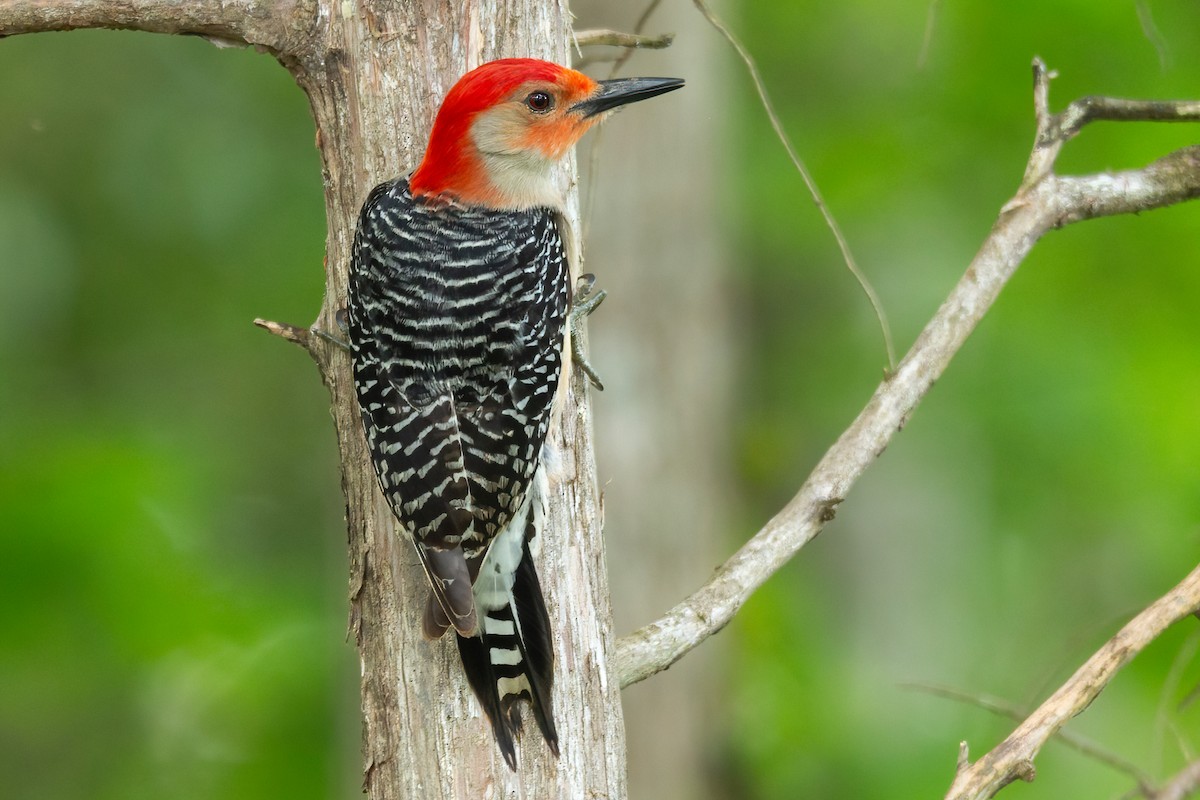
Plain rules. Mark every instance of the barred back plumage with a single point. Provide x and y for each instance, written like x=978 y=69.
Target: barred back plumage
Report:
x=456 y=324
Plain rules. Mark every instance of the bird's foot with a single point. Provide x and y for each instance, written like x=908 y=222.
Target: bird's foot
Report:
x=586 y=300
x=340 y=319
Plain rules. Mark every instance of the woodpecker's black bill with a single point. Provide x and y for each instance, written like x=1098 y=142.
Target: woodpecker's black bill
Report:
x=620 y=91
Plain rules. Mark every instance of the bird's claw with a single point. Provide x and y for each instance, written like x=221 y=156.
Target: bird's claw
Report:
x=586 y=301
x=343 y=324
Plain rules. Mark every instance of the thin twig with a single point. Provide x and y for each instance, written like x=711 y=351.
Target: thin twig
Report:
x=811 y=184
x=1073 y=740
x=1013 y=758
x=1190 y=697
x=1055 y=130
x=1116 y=109
x=262 y=23
x=1153 y=34
x=638 y=27
x=594 y=153
x=1050 y=202
x=608 y=38
x=1184 y=784
x=931 y=16
x=295 y=335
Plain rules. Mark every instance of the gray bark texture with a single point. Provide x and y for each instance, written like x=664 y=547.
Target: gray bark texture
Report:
x=664 y=345
x=374 y=92
x=374 y=73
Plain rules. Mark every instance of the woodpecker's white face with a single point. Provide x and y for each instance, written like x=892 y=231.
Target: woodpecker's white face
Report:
x=521 y=141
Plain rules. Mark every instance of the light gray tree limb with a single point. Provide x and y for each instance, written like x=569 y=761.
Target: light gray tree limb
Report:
x=1012 y=759
x=1044 y=201
x=1184 y=784
x=283 y=27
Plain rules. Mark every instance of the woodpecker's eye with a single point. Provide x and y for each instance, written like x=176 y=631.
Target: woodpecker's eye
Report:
x=539 y=102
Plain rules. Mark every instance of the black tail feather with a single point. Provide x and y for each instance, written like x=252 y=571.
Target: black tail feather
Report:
x=537 y=647
x=474 y=654
x=536 y=666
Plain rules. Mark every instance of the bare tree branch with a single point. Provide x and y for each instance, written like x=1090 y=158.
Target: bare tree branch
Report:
x=280 y=26
x=1055 y=130
x=1186 y=783
x=1013 y=758
x=1079 y=744
x=638 y=27
x=292 y=333
x=1044 y=201
x=608 y=38
x=809 y=182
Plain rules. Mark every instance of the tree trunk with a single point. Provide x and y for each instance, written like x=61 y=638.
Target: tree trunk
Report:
x=374 y=72
x=664 y=345
x=374 y=88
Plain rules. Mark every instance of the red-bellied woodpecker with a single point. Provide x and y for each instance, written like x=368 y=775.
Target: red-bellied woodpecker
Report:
x=458 y=327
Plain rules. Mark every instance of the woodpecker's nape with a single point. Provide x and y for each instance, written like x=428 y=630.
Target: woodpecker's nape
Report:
x=458 y=303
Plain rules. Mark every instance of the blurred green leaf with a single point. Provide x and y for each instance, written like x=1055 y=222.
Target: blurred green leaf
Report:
x=170 y=624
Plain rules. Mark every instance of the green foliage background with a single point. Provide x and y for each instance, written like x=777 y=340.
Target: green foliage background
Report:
x=172 y=567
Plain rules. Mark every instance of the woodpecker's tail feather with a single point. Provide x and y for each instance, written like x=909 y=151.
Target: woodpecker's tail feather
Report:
x=511 y=659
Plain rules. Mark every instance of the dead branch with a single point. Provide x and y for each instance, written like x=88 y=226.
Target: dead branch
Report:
x=638 y=27
x=1186 y=783
x=1013 y=758
x=1080 y=744
x=609 y=38
x=1044 y=201
x=292 y=333
x=279 y=26
x=1054 y=130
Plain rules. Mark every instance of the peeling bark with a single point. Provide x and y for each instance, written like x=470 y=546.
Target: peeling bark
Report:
x=374 y=73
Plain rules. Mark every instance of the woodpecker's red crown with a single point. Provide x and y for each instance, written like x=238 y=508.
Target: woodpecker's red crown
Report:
x=504 y=126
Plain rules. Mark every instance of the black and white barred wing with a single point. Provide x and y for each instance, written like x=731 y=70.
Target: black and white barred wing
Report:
x=456 y=321
x=409 y=416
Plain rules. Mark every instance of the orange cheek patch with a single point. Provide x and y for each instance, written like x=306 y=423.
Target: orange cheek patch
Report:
x=554 y=134
x=553 y=137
